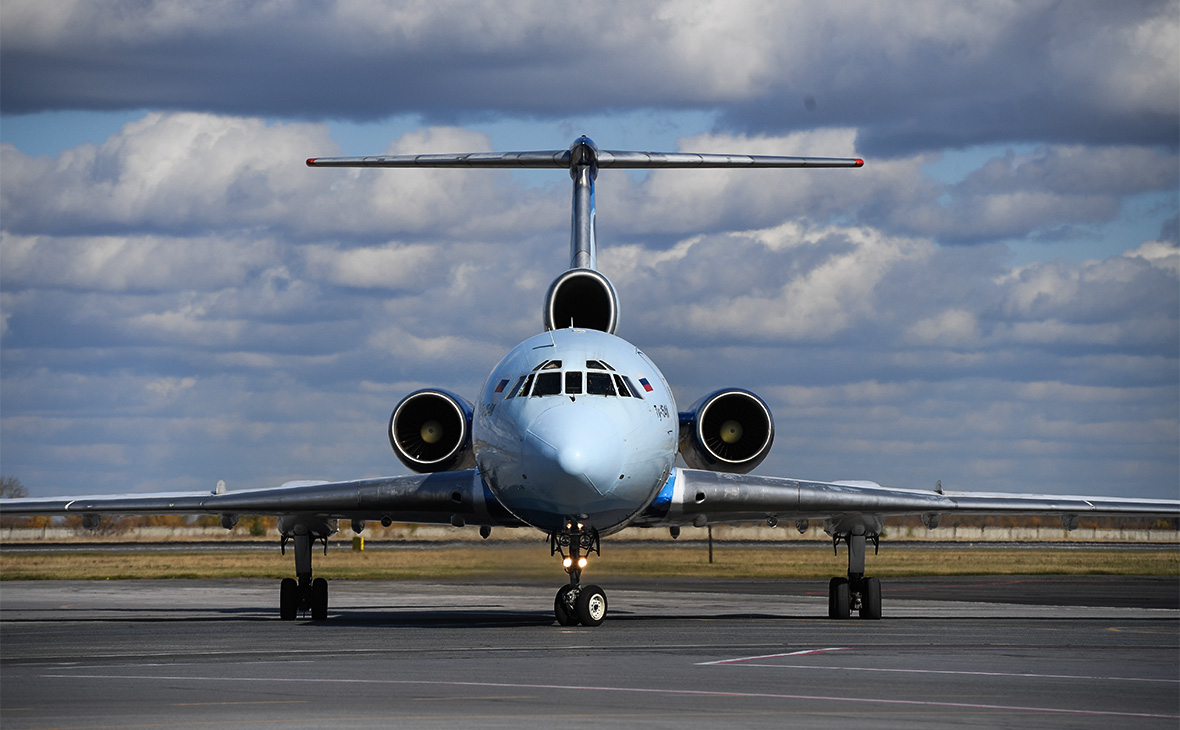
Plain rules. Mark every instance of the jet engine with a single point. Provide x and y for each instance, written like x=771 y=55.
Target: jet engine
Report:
x=730 y=431
x=582 y=298
x=430 y=430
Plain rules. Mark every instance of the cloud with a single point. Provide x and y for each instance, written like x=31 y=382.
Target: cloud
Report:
x=953 y=327
x=943 y=75
x=834 y=284
x=193 y=173
x=189 y=172
x=177 y=339
x=1050 y=192
x=138 y=263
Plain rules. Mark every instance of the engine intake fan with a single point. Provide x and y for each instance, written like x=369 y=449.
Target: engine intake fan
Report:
x=729 y=431
x=430 y=430
x=582 y=298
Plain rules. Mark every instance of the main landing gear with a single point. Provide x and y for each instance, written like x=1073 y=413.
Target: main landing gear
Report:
x=303 y=594
x=856 y=592
x=575 y=603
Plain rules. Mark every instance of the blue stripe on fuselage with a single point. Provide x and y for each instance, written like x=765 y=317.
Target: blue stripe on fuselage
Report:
x=658 y=509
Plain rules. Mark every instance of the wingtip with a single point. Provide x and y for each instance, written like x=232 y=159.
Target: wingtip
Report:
x=859 y=162
x=311 y=161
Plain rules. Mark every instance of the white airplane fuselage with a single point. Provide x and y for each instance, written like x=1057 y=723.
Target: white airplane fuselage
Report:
x=575 y=425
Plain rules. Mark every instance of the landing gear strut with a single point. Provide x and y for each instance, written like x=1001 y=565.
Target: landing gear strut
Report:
x=856 y=592
x=575 y=603
x=303 y=594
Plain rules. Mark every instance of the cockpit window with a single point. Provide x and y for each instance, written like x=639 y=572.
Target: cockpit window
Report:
x=547 y=384
x=599 y=384
x=598 y=365
x=622 y=387
x=631 y=387
x=541 y=384
x=515 y=388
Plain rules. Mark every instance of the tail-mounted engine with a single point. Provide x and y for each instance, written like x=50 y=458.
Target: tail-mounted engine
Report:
x=430 y=430
x=582 y=298
x=729 y=431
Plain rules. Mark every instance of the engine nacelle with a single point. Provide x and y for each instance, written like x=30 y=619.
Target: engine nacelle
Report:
x=582 y=298
x=729 y=431
x=430 y=430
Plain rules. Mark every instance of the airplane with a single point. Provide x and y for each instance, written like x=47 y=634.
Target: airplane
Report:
x=576 y=433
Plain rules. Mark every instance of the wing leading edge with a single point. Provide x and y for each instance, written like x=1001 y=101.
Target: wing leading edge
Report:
x=693 y=497
x=457 y=497
x=706 y=497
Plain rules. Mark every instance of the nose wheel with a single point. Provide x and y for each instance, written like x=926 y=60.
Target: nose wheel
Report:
x=575 y=603
x=585 y=605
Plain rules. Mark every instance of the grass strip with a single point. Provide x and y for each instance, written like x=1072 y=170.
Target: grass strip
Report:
x=532 y=562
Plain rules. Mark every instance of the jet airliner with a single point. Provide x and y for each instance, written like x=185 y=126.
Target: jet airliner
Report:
x=576 y=433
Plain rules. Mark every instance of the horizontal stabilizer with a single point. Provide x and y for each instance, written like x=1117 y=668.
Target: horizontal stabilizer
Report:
x=562 y=159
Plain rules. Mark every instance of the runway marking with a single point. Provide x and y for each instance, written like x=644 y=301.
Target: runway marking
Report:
x=629 y=690
x=258 y=702
x=1141 y=632
x=910 y=589
x=465 y=698
x=1025 y=675
x=804 y=652
x=404 y=718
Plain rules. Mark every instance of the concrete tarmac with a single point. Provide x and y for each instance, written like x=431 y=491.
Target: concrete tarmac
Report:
x=1008 y=651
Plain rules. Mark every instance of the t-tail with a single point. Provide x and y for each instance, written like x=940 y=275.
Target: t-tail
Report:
x=582 y=296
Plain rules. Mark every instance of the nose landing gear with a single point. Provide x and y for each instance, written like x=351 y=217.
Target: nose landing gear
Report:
x=577 y=604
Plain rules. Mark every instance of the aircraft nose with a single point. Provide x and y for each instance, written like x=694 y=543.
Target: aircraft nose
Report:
x=570 y=448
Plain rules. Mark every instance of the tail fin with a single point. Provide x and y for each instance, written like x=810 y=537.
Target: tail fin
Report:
x=583 y=160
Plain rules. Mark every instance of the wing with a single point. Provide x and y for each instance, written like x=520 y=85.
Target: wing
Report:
x=455 y=497
x=695 y=497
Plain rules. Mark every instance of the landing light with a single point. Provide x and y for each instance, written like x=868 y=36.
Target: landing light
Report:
x=581 y=563
x=567 y=563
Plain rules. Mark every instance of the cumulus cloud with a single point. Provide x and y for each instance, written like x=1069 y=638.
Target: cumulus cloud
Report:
x=828 y=284
x=944 y=74
x=177 y=339
x=1049 y=192
x=199 y=172
x=138 y=263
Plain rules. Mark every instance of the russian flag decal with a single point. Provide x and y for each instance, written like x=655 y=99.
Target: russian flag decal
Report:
x=646 y=385
x=500 y=387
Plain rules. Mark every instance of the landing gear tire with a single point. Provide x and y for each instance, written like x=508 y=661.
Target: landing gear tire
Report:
x=319 y=599
x=591 y=605
x=870 y=599
x=563 y=608
x=839 y=599
x=288 y=599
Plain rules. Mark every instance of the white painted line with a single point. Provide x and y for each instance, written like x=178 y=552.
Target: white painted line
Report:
x=1025 y=675
x=804 y=652
x=633 y=690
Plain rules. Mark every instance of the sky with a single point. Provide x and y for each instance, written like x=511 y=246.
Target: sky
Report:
x=992 y=301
